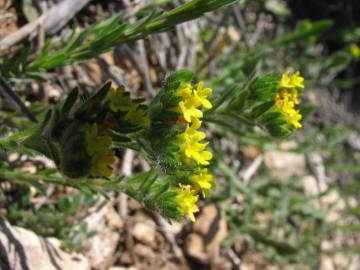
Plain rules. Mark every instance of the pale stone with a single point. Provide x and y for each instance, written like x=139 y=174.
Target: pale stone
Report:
x=195 y=247
x=21 y=249
x=210 y=230
x=144 y=232
x=122 y=268
x=283 y=164
x=101 y=248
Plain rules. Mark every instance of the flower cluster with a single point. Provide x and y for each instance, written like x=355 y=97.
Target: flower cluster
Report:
x=192 y=148
x=187 y=199
x=98 y=148
x=121 y=101
x=98 y=144
x=288 y=97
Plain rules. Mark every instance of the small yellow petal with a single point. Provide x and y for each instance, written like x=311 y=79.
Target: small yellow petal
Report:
x=187 y=200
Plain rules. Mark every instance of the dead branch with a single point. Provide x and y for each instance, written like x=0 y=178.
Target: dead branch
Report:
x=52 y=21
x=9 y=93
x=249 y=172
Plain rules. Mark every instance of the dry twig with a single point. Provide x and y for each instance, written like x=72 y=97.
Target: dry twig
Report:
x=239 y=18
x=170 y=237
x=234 y=258
x=52 y=20
x=123 y=200
x=248 y=173
x=112 y=71
x=8 y=92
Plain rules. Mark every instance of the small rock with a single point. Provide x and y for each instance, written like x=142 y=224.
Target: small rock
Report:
x=283 y=164
x=210 y=218
x=28 y=167
x=126 y=258
x=101 y=248
x=52 y=91
x=176 y=227
x=123 y=268
x=12 y=157
x=210 y=230
x=46 y=161
x=195 y=247
x=354 y=141
x=240 y=244
x=327 y=263
x=144 y=232
x=134 y=205
x=234 y=34
x=221 y=263
x=23 y=249
x=337 y=261
x=313 y=187
x=255 y=261
x=143 y=251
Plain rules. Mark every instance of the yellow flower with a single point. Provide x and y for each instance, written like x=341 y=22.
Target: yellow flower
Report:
x=290 y=95
x=120 y=100
x=185 y=91
x=201 y=95
x=187 y=199
x=189 y=110
x=137 y=117
x=197 y=152
x=355 y=50
x=192 y=100
x=285 y=102
x=191 y=146
x=285 y=80
x=195 y=125
x=293 y=81
x=296 y=80
x=98 y=148
x=287 y=97
x=203 y=179
x=191 y=133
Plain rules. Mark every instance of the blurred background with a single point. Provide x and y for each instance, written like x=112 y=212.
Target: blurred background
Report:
x=277 y=204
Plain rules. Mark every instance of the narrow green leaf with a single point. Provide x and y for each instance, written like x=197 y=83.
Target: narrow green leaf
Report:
x=316 y=29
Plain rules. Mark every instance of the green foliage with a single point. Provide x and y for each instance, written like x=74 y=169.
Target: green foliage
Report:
x=154 y=193
x=162 y=106
x=50 y=220
x=109 y=33
x=276 y=217
x=289 y=211
x=253 y=104
x=308 y=30
x=61 y=135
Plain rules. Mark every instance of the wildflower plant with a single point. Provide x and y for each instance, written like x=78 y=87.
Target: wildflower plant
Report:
x=105 y=35
x=83 y=137
x=270 y=101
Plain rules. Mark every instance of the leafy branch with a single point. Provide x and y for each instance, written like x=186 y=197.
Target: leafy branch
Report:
x=105 y=35
x=148 y=189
